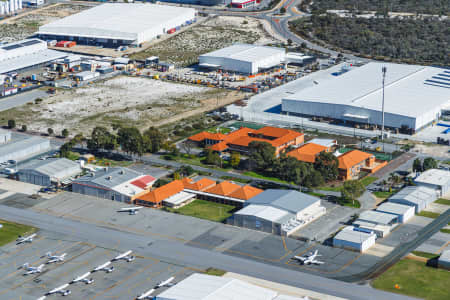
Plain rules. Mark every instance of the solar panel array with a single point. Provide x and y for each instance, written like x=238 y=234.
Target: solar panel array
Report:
x=20 y=45
x=440 y=80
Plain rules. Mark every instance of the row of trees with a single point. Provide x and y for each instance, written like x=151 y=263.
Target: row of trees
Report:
x=127 y=139
x=262 y=159
x=413 y=40
x=12 y=124
x=428 y=163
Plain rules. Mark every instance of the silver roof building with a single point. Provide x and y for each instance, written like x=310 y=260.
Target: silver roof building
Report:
x=289 y=200
x=43 y=172
x=20 y=147
x=109 y=177
x=414 y=95
x=435 y=179
x=417 y=196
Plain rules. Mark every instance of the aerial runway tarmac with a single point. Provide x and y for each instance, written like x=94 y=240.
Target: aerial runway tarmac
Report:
x=176 y=252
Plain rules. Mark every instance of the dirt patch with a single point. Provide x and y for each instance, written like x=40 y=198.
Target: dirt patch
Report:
x=25 y=25
x=124 y=100
x=219 y=32
x=433 y=150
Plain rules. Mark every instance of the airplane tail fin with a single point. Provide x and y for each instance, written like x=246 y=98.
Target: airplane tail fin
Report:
x=48 y=254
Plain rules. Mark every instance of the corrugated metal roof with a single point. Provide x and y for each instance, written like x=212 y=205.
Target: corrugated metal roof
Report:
x=351 y=235
x=28 y=60
x=58 y=168
x=290 y=200
x=376 y=217
x=405 y=89
x=19 y=142
x=109 y=177
x=246 y=52
x=394 y=208
x=207 y=287
x=117 y=20
x=434 y=176
x=415 y=194
x=269 y=213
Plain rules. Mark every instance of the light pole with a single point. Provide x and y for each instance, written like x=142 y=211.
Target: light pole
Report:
x=383 y=71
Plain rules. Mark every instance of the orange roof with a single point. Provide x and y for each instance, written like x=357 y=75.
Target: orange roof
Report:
x=351 y=158
x=243 y=131
x=272 y=131
x=286 y=138
x=163 y=192
x=308 y=152
x=200 y=185
x=245 y=192
x=199 y=137
x=219 y=147
x=224 y=188
x=245 y=140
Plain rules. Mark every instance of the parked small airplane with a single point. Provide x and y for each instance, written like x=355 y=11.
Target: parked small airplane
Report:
x=166 y=282
x=310 y=258
x=104 y=267
x=32 y=270
x=132 y=210
x=83 y=278
x=60 y=290
x=55 y=258
x=23 y=239
x=125 y=256
x=42 y=298
x=146 y=295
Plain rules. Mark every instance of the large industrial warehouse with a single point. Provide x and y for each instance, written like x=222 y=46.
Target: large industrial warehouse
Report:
x=16 y=146
x=243 y=58
x=414 y=96
x=114 y=24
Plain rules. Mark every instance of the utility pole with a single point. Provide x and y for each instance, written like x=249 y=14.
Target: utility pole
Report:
x=383 y=71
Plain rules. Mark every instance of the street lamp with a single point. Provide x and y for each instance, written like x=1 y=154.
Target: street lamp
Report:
x=383 y=71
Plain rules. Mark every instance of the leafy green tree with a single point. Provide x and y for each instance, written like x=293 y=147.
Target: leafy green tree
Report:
x=11 y=124
x=262 y=155
x=153 y=139
x=101 y=139
x=186 y=170
x=176 y=176
x=352 y=189
x=24 y=128
x=429 y=163
x=213 y=158
x=314 y=179
x=282 y=10
x=65 y=133
x=130 y=140
x=417 y=165
x=327 y=164
x=50 y=131
x=235 y=159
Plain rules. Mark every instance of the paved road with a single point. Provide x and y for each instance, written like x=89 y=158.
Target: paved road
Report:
x=174 y=251
x=21 y=99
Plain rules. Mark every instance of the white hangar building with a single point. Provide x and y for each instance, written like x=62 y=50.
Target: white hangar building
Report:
x=116 y=24
x=243 y=58
x=414 y=96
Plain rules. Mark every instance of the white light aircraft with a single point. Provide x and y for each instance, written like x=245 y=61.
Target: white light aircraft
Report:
x=60 y=290
x=166 y=282
x=146 y=295
x=55 y=258
x=42 y=298
x=83 y=278
x=310 y=258
x=104 y=267
x=27 y=239
x=125 y=256
x=32 y=270
x=132 y=210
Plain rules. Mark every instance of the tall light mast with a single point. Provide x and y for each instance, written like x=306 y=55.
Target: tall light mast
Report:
x=383 y=71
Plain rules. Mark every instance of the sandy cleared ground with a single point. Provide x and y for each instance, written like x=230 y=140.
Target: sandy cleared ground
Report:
x=24 y=25
x=221 y=31
x=434 y=150
x=130 y=101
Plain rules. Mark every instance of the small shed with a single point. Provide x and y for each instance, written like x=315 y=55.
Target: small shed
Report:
x=354 y=239
x=403 y=212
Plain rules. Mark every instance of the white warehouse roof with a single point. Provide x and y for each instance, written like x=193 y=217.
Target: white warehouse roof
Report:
x=269 y=213
x=124 y=21
x=394 y=208
x=245 y=52
x=351 y=234
x=414 y=95
x=434 y=177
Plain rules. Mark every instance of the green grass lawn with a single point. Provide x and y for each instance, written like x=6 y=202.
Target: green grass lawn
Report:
x=368 y=180
x=315 y=194
x=256 y=175
x=330 y=188
x=443 y=201
x=11 y=231
x=382 y=195
x=349 y=203
x=445 y=231
x=206 y=210
x=415 y=279
x=424 y=254
x=428 y=214
x=231 y=178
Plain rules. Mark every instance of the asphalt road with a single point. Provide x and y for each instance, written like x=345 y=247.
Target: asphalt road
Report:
x=176 y=252
x=21 y=99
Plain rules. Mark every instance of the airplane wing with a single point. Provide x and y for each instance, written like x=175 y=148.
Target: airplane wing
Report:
x=317 y=262
x=300 y=258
